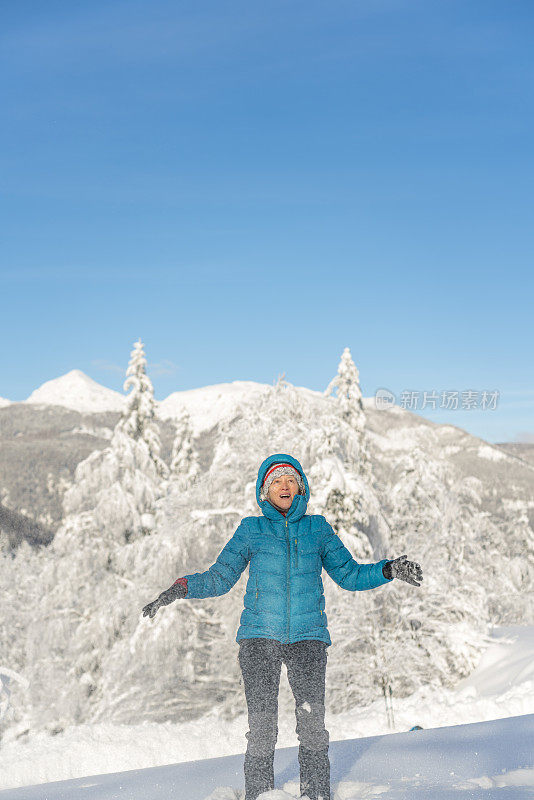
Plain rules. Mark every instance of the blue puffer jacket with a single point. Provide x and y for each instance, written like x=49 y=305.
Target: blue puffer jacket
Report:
x=284 y=599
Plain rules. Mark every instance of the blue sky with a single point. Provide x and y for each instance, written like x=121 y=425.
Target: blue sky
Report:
x=250 y=187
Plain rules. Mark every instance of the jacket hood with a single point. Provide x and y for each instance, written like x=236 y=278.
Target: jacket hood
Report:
x=300 y=501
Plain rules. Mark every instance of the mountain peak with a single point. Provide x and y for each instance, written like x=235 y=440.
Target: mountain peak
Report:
x=77 y=391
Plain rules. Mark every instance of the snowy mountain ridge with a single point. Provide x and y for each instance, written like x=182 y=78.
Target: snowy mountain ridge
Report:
x=209 y=405
x=206 y=405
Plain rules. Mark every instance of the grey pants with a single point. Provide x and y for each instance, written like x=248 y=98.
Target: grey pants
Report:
x=261 y=661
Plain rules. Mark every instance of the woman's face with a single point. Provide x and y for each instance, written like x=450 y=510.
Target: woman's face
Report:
x=282 y=491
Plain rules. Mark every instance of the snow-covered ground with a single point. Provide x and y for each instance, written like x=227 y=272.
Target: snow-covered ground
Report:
x=487 y=760
x=478 y=739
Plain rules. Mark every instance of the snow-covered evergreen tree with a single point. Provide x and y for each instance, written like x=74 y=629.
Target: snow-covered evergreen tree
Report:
x=115 y=489
x=347 y=386
x=447 y=618
x=185 y=464
x=348 y=399
x=20 y=596
x=504 y=548
x=343 y=465
x=86 y=583
x=138 y=420
x=340 y=492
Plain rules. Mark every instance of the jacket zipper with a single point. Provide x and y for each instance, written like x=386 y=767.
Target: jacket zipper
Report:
x=296 y=555
x=288 y=579
x=256 y=606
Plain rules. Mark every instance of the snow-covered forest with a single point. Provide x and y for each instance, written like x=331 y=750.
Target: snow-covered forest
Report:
x=75 y=650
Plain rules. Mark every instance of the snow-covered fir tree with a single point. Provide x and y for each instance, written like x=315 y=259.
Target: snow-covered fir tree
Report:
x=138 y=420
x=348 y=398
x=115 y=490
x=447 y=619
x=343 y=467
x=21 y=596
x=86 y=582
x=505 y=553
x=340 y=492
x=185 y=465
x=346 y=384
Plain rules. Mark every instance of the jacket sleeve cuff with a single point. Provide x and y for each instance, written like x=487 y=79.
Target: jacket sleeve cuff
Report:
x=382 y=565
x=181 y=582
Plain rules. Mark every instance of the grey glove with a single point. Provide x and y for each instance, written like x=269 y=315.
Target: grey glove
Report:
x=403 y=569
x=176 y=592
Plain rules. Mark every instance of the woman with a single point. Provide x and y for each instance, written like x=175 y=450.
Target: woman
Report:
x=283 y=619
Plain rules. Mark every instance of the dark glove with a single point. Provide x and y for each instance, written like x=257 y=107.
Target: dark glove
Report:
x=176 y=592
x=403 y=569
